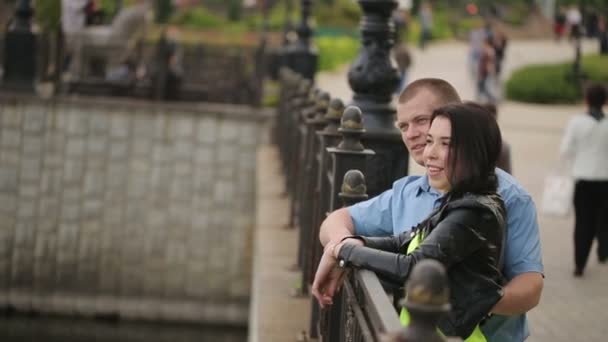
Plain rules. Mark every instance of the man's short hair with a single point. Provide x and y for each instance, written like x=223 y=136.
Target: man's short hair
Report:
x=596 y=95
x=443 y=90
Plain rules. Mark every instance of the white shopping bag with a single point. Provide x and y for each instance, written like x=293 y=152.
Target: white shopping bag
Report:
x=557 y=195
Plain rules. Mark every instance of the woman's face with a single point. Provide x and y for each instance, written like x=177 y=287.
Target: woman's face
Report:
x=436 y=153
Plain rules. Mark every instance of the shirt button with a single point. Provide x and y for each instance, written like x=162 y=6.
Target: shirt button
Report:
x=342 y=263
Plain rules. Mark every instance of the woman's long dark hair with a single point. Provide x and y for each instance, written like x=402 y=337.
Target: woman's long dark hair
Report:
x=474 y=148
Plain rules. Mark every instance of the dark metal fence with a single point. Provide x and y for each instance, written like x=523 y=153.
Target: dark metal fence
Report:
x=324 y=159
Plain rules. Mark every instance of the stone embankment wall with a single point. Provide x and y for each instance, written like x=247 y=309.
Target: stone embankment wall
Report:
x=133 y=209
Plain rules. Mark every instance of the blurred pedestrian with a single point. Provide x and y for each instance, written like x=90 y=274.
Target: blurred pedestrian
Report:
x=476 y=37
x=602 y=35
x=574 y=21
x=485 y=73
x=426 y=23
x=404 y=60
x=73 y=20
x=559 y=24
x=504 y=159
x=585 y=145
x=500 y=46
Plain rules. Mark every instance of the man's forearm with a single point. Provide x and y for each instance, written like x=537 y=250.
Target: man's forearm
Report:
x=336 y=226
x=521 y=294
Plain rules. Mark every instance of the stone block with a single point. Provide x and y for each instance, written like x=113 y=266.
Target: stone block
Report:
x=8 y=179
x=31 y=169
x=75 y=147
x=25 y=234
x=8 y=203
x=119 y=150
x=32 y=145
x=99 y=124
x=113 y=215
x=97 y=145
x=73 y=170
x=95 y=163
x=160 y=153
x=141 y=147
x=207 y=129
x=204 y=155
x=12 y=116
x=71 y=194
x=7 y=221
x=228 y=131
x=139 y=166
x=70 y=211
x=34 y=119
x=161 y=128
x=223 y=192
x=184 y=128
x=226 y=153
x=77 y=123
x=29 y=191
x=143 y=126
x=249 y=134
x=181 y=189
x=183 y=169
x=120 y=126
x=26 y=209
x=9 y=157
x=93 y=183
x=67 y=242
x=10 y=138
x=183 y=150
x=92 y=208
x=117 y=175
x=136 y=187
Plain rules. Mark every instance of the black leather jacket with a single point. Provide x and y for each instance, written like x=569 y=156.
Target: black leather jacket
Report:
x=466 y=235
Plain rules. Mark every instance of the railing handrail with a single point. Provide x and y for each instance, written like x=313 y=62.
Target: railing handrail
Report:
x=380 y=312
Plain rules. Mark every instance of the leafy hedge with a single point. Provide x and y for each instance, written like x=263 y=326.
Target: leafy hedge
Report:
x=554 y=83
x=335 y=51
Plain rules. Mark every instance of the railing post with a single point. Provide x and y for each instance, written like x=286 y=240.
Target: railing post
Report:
x=20 y=50
x=299 y=103
x=350 y=154
x=306 y=193
x=328 y=137
x=427 y=299
x=299 y=136
x=302 y=56
x=373 y=79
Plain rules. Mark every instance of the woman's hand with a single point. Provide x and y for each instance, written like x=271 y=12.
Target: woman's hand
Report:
x=328 y=277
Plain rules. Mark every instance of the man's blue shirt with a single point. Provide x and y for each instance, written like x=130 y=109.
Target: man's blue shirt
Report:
x=412 y=199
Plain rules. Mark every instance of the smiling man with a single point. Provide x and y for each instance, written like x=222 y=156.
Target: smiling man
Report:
x=412 y=199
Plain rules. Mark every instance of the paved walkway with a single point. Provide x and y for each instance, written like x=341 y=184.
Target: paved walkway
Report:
x=571 y=309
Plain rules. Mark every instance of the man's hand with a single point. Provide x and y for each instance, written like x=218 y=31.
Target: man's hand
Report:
x=327 y=279
x=521 y=294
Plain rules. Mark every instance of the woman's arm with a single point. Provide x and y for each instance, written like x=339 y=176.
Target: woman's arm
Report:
x=457 y=236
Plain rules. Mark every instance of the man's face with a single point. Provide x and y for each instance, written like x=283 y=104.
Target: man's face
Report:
x=413 y=120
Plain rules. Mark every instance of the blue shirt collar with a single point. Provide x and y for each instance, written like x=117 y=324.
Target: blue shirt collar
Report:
x=424 y=186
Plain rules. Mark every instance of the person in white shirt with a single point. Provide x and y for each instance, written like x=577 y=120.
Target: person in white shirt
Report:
x=585 y=144
x=73 y=18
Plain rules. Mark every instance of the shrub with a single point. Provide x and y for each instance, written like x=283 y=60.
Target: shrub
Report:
x=198 y=18
x=336 y=51
x=554 y=83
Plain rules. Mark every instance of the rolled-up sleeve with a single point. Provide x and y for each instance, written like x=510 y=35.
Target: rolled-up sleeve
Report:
x=374 y=216
x=523 y=248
